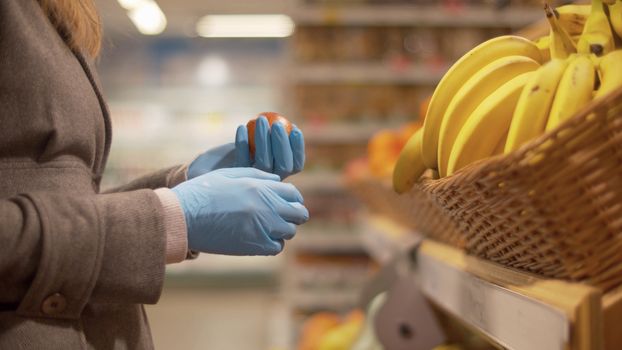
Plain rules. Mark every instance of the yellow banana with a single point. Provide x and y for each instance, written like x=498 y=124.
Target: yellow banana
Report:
x=561 y=43
x=463 y=69
x=610 y=69
x=544 y=45
x=500 y=146
x=609 y=2
x=409 y=166
x=615 y=17
x=486 y=127
x=573 y=17
x=574 y=91
x=534 y=104
x=469 y=96
x=597 y=37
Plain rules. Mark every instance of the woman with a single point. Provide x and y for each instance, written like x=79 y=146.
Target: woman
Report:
x=76 y=265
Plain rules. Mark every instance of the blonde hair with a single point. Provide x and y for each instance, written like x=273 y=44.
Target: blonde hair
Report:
x=77 y=22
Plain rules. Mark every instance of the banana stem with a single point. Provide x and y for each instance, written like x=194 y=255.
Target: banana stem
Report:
x=561 y=42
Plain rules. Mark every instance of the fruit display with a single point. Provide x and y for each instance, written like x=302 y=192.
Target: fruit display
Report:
x=384 y=149
x=315 y=327
x=329 y=331
x=509 y=90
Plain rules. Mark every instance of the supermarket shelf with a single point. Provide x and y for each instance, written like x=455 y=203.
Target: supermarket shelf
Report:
x=312 y=181
x=343 y=133
x=516 y=310
x=377 y=73
x=326 y=243
x=329 y=300
x=416 y=15
x=383 y=239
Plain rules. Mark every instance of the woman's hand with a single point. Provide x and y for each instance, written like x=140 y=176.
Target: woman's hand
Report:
x=240 y=211
x=275 y=152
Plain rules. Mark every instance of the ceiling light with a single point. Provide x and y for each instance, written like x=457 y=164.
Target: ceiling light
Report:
x=148 y=18
x=245 y=26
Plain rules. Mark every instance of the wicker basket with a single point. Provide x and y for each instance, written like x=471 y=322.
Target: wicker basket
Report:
x=380 y=198
x=553 y=207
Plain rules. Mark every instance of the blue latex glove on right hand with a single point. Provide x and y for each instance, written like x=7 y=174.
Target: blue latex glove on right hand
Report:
x=240 y=211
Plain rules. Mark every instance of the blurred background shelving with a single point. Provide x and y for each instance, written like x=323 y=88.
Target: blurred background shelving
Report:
x=356 y=67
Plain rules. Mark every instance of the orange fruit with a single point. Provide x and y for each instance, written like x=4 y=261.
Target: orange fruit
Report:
x=272 y=118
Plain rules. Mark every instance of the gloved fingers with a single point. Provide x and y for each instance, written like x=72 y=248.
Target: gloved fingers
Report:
x=297 y=142
x=242 y=152
x=222 y=156
x=281 y=150
x=293 y=212
x=275 y=246
x=251 y=173
x=283 y=230
x=263 y=149
x=286 y=191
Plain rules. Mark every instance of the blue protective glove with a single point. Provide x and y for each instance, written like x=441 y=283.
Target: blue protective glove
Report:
x=275 y=152
x=240 y=211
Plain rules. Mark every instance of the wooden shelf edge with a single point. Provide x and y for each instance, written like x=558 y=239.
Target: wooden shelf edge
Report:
x=572 y=311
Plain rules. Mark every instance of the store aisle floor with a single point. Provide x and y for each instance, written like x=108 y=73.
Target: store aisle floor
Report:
x=214 y=318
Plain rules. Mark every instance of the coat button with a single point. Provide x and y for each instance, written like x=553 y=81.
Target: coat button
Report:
x=54 y=304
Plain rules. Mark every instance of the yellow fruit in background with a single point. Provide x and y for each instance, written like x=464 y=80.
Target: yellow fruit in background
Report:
x=343 y=336
x=315 y=328
x=382 y=151
x=448 y=347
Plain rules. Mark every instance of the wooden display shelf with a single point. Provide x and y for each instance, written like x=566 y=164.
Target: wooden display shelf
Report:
x=514 y=309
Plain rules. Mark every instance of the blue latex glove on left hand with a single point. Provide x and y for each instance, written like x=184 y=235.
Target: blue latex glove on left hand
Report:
x=240 y=211
x=275 y=152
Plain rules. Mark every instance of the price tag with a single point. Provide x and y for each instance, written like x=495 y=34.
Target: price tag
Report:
x=512 y=320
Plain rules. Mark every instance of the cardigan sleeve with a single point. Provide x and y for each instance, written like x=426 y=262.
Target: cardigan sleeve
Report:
x=169 y=177
x=70 y=250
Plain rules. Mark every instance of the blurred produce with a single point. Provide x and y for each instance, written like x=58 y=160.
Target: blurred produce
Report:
x=315 y=328
x=328 y=331
x=384 y=148
x=367 y=339
x=448 y=347
x=343 y=336
x=504 y=92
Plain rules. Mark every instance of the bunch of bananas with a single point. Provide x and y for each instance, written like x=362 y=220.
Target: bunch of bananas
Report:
x=509 y=90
